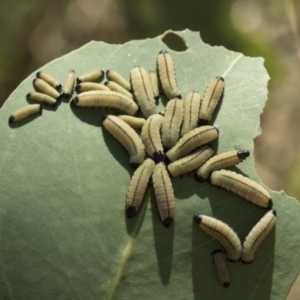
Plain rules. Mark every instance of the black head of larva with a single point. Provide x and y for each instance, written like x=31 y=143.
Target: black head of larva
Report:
x=58 y=87
x=168 y=222
x=38 y=74
x=242 y=154
x=78 y=80
x=74 y=101
x=217 y=251
x=220 y=78
x=270 y=203
x=104 y=118
x=107 y=72
x=197 y=219
x=72 y=71
x=11 y=119
x=77 y=87
x=226 y=284
x=28 y=95
x=41 y=108
x=34 y=80
x=134 y=165
x=199 y=178
x=203 y=122
x=274 y=212
x=247 y=262
x=163 y=52
x=158 y=156
x=106 y=82
x=131 y=211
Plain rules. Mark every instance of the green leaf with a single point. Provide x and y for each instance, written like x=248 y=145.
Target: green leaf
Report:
x=64 y=234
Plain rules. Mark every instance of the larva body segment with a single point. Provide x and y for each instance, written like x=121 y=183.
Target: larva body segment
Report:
x=221 y=161
x=113 y=86
x=105 y=99
x=119 y=79
x=134 y=122
x=46 y=88
x=191 y=140
x=25 y=112
x=151 y=138
x=211 y=98
x=90 y=86
x=191 y=108
x=69 y=84
x=127 y=137
x=164 y=194
x=257 y=235
x=137 y=187
x=49 y=79
x=154 y=83
x=95 y=75
x=142 y=91
x=221 y=268
x=191 y=161
x=242 y=186
x=171 y=125
x=223 y=233
x=167 y=75
x=42 y=98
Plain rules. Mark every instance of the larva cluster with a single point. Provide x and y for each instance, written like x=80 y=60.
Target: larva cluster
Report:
x=162 y=145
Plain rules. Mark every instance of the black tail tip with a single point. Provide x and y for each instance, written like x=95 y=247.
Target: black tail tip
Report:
x=226 y=284
x=131 y=211
x=199 y=178
x=220 y=77
x=163 y=52
x=197 y=219
x=168 y=222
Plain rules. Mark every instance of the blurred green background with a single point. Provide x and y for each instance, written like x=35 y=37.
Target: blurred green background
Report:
x=33 y=32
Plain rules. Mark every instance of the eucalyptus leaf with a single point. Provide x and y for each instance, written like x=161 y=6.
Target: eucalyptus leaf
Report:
x=64 y=233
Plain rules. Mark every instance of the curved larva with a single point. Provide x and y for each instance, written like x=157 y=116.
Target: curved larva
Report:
x=191 y=140
x=127 y=137
x=154 y=83
x=49 y=79
x=242 y=186
x=116 y=77
x=220 y=161
x=46 y=88
x=190 y=162
x=170 y=130
x=25 y=112
x=164 y=194
x=69 y=84
x=42 y=98
x=105 y=99
x=223 y=233
x=142 y=91
x=151 y=138
x=167 y=75
x=257 y=234
x=134 y=122
x=221 y=268
x=191 y=108
x=113 y=86
x=137 y=187
x=211 y=98
x=94 y=75
x=90 y=86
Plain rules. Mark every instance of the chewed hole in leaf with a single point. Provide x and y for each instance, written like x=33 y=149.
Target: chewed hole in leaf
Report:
x=174 y=41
